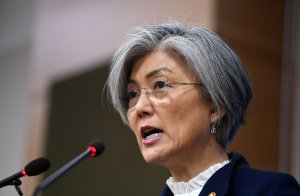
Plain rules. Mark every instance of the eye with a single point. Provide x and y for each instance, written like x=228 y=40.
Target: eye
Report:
x=132 y=94
x=161 y=84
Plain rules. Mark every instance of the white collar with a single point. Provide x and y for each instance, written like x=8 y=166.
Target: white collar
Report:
x=195 y=185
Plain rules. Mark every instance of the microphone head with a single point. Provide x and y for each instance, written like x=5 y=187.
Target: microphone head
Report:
x=97 y=147
x=37 y=166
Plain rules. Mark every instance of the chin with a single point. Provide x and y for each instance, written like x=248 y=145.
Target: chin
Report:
x=157 y=155
x=155 y=158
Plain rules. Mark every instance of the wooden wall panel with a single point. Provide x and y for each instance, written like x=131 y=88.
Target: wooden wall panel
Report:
x=254 y=29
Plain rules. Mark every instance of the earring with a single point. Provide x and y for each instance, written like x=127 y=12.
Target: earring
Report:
x=213 y=129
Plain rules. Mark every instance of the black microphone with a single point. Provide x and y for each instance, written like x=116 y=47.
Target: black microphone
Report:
x=95 y=148
x=33 y=168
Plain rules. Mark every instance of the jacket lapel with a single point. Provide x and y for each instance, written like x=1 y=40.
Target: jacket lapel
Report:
x=219 y=183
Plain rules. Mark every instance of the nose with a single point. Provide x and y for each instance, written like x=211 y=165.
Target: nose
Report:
x=143 y=106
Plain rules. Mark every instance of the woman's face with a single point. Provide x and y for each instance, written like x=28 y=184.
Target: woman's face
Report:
x=175 y=127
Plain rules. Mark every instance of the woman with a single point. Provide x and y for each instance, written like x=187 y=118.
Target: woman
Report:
x=184 y=93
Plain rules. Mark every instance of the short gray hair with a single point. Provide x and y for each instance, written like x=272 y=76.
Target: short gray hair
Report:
x=224 y=80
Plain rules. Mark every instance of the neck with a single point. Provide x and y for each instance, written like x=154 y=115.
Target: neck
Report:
x=190 y=165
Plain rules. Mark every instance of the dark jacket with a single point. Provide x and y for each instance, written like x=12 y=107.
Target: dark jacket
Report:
x=237 y=178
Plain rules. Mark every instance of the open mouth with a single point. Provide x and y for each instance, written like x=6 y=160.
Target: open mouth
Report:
x=150 y=132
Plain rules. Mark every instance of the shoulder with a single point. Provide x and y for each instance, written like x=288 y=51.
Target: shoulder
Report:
x=238 y=178
x=245 y=180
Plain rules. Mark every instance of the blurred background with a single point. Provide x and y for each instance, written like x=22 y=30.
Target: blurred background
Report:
x=54 y=57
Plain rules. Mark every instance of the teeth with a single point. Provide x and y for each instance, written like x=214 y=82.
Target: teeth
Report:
x=153 y=135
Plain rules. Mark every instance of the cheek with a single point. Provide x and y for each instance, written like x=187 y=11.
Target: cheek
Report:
x=133 y=125
x=171 y=117
x=132 y=121
x=175 y=109
x=185 y=115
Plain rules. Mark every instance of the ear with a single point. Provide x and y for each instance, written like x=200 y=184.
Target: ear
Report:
x=216 y=115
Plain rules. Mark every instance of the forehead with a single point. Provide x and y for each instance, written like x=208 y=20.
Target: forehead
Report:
x=159 y=63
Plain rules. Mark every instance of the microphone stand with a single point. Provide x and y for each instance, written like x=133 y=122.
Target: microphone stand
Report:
x=50 y=179
x=17 y=183
x=95 y=148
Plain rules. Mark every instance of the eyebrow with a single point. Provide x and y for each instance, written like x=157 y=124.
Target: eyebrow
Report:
x=154 y=73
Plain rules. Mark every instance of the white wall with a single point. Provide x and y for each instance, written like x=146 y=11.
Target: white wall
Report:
x=13 y=114
x=15 y=31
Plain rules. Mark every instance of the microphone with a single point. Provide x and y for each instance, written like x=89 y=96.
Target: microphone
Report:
x=95 y=148
x=33 y=168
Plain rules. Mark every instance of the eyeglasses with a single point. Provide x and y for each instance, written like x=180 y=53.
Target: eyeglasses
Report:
x=159 y=90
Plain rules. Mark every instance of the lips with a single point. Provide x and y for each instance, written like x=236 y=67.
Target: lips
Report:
x=150 y=134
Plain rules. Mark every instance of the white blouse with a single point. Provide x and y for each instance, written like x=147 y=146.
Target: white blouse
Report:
x=194 y=186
